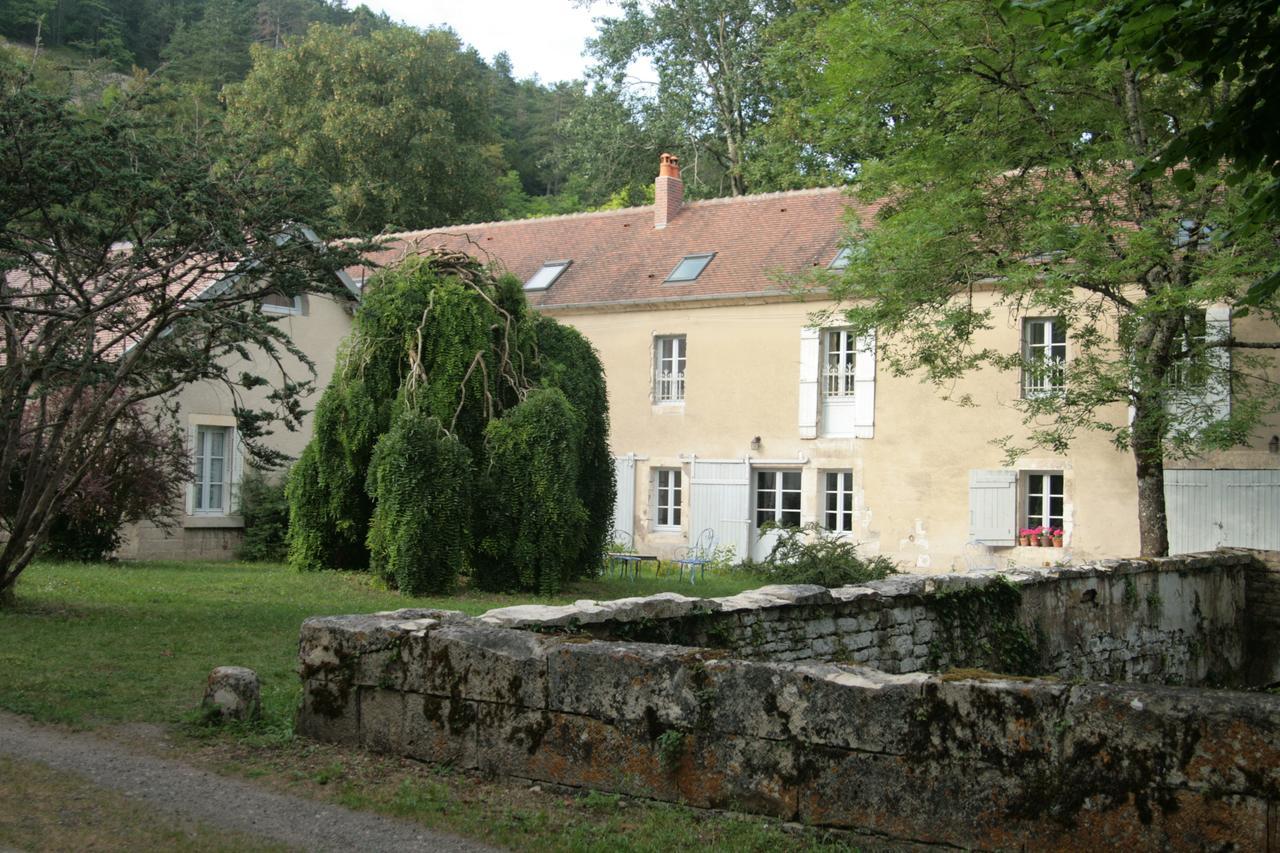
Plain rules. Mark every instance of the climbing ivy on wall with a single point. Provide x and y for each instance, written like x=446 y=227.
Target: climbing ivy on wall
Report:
x=462 y=434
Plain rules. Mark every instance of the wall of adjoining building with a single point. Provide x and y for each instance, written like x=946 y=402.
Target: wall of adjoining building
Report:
x=963 y=758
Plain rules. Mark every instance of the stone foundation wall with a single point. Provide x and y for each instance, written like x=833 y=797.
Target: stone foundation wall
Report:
x=1174 y=620
x=1262 y=623
x=963 y=758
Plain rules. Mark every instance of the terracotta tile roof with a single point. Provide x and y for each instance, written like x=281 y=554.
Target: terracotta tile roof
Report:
x=619 y=257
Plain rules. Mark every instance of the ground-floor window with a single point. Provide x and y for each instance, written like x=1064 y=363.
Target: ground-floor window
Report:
x=837 y=497
x=212 y=462
x=777 y=498
x=1044 y=500
x=666 y=498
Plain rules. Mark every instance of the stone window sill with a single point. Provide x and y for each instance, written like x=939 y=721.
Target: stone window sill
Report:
x=212 y=521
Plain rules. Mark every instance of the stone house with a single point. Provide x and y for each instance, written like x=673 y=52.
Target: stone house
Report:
x=735 y=401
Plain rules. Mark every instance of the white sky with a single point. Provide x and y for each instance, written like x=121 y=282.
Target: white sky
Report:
x=542 y=37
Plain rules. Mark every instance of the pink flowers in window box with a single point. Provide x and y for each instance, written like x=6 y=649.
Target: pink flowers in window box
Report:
x=1041 y=536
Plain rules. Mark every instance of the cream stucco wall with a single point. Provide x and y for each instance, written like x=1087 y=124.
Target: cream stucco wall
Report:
x=911 y=479
x=324 y=322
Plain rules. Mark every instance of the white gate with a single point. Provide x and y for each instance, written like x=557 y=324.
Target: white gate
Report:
x=1208 y=509
x=720 y=500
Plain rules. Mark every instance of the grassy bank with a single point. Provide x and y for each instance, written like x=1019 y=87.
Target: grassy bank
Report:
x=128 y=642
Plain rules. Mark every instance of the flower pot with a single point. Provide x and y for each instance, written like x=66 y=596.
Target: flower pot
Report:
x=1057 y=541
x=1045 y=540
x=1024 y=541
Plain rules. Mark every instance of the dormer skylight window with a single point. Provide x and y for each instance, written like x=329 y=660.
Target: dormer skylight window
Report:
x=691 y=267
x=841 y=260
x=547 y=276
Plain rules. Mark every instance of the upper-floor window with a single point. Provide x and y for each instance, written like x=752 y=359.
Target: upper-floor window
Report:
x=278 y=303
x=668 y=368
x=212 y=464
x=837 y=500
x=546 y=275
x=690 y=267
x=1190 y=365
x=838 y=355
x=842 y=258
x=1044 y=353
x=666 y=498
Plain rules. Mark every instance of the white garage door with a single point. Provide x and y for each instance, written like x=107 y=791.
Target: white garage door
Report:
x=1209 y=509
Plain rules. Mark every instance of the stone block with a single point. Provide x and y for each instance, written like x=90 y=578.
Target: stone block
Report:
x=471 y=660
x=233 y=693
x=442 y=730
x=383 y=720
x=627 y=681
x=330 y=711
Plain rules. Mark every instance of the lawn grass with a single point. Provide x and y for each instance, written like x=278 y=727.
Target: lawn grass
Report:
x=94 y=645
x=133 y=642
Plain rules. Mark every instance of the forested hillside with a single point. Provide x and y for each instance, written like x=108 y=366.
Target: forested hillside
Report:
x=410 y=129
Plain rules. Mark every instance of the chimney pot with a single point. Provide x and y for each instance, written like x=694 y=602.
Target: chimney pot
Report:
x=668 y=191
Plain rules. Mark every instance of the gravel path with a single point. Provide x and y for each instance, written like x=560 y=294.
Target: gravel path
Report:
x=170 y=787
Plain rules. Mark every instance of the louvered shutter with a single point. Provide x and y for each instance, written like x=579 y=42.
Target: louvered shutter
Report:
x=993 y=507
x=864 y=386
x=809 y=355
x=624 y=509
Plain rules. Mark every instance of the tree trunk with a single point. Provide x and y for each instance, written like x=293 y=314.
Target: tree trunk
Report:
x=1148 y=453
x=7 y=595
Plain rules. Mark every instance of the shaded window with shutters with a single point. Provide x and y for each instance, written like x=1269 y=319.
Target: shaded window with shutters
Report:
x=837 y=383
x=993 y=507
x=1044 y=500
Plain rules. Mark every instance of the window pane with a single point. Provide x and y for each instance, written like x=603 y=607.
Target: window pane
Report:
x=766 y=480
x=791 y=500
x=215 y=496
x=767 y=500
x=662 y=515
x=690 y=267
x=791 y=480
x=1037 y=333
x=790 y=518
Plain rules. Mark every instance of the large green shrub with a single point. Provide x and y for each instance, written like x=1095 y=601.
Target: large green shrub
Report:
x=441 y=351
x=422 y=477
x=812 y=555
x=535 y=522
x=265 y=511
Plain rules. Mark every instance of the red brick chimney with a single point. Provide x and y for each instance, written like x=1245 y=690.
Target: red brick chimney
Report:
x=668 y=191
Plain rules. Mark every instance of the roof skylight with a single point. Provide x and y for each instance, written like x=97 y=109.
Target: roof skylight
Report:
x=690 y=267
x=841 y=260
x=547 y=275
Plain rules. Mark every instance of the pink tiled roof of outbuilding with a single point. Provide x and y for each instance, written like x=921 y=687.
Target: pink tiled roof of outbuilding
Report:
x=619 y=257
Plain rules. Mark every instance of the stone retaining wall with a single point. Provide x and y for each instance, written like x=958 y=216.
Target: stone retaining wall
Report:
x=1262 y=622
x=965 y=759
x=1174 y=620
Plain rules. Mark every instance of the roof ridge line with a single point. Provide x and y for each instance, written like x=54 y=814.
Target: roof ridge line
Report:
x=587 y=214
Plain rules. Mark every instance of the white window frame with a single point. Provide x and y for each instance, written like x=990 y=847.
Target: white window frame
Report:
x=202 y=459
x=777 y=491
x=547 y=274
x=670 y=361
x=842 y=480
x=668 y=496
x=839 y=364
x=295 y=310
x=1038 y=485
x=1047 y=353
x=1182 y=373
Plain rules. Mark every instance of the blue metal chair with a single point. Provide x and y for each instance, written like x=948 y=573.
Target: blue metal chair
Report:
x=696 y=556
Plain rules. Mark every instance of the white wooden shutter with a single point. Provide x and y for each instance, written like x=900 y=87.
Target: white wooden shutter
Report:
x=864 y=386
x=1217 y=327
x=624 y=509
x=993 y=507
x=720 y=499
x=190 y=503
x=235 y=469
x=809 y=357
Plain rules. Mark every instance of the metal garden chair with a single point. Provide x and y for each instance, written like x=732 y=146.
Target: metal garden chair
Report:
x=696 y=556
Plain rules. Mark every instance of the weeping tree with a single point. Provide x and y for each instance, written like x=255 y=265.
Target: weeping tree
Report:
x=462 y=434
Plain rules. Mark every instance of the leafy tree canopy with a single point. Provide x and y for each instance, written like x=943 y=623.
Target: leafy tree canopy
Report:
x=1006 y=169
x=123 y=252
